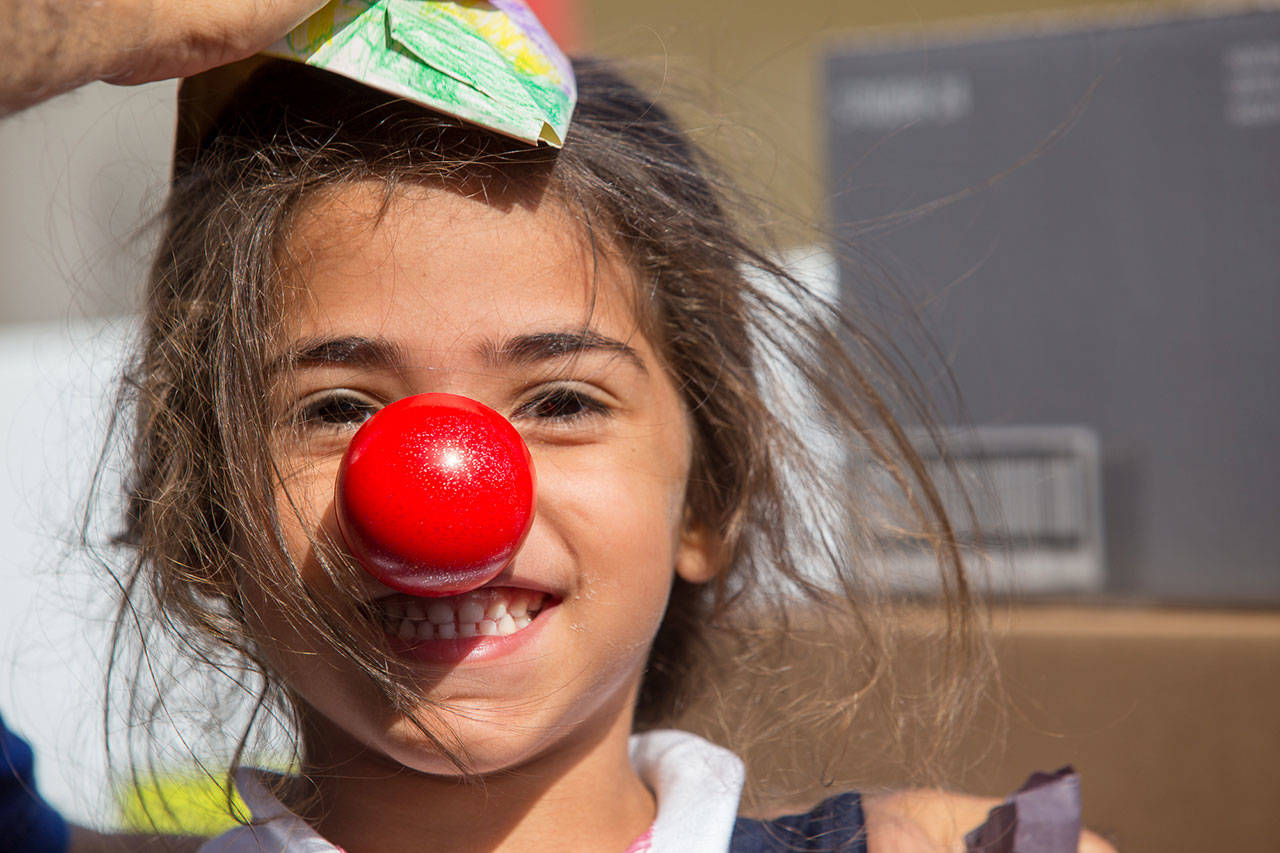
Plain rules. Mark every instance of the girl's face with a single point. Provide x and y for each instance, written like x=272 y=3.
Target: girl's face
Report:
x=499 y=301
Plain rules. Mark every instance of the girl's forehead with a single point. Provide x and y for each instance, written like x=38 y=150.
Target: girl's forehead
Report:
x=442 y=264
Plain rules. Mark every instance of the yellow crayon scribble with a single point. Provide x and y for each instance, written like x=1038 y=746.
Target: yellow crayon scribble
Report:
x=507 y=38
x=315 y=31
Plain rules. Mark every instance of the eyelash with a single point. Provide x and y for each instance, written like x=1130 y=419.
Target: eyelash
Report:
x=561 y=406
x=346 y=409
x=337 y=409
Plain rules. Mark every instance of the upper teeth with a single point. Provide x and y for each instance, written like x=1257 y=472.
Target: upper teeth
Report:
x=483 y=613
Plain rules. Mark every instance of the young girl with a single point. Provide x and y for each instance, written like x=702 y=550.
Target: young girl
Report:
x=329 y=250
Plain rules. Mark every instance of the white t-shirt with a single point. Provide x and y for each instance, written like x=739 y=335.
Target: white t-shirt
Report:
x=696 y=783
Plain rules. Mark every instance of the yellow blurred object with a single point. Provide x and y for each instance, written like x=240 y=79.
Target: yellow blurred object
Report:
x=181 y=804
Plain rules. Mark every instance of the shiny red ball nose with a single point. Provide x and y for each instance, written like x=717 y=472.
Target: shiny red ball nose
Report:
x=435 y=494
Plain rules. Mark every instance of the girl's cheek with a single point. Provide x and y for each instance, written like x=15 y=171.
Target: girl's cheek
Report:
x=617 y=516
x=304 y=505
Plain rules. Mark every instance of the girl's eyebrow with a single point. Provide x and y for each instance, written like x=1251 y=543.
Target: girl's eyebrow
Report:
x=380 y=353
x=345 y=351
x=541 y=346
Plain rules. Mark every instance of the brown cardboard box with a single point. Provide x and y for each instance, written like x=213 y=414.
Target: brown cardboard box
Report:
x=1170 y=716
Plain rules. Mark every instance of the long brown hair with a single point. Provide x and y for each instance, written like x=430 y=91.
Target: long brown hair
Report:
x=732 y=324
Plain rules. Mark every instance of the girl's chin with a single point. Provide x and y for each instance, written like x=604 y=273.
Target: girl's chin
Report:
x=490 y=745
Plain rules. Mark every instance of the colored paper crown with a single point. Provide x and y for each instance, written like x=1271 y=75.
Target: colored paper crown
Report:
x=488 y=62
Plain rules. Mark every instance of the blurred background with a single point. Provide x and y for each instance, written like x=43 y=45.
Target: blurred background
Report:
x=1081 y=201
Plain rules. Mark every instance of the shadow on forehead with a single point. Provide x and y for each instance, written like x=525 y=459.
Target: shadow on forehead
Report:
x=289 y=121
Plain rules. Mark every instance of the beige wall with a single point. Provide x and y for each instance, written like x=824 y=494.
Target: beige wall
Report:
x=79 y=175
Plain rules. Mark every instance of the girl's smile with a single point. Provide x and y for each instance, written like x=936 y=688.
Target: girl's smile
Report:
x=501 y=301
x=478 y=625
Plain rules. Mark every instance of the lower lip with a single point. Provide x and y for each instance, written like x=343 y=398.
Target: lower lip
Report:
x=470 y=649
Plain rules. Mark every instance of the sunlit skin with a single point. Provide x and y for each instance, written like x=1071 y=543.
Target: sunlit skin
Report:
x=456 y=294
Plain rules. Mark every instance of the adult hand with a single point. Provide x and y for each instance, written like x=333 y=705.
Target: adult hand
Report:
x=50 y=46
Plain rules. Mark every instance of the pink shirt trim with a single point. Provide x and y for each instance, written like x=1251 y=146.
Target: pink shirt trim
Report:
x=643 y=844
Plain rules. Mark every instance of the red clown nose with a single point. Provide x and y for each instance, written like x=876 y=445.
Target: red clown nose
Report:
x=435 y=494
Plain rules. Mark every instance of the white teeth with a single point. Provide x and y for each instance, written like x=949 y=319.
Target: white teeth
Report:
x=470 y=611
x=483 y=613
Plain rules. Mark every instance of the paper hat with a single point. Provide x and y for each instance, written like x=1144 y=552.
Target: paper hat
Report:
x=489 y=63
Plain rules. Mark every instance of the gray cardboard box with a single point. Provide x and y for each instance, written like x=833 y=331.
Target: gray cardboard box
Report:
x=1112 y=261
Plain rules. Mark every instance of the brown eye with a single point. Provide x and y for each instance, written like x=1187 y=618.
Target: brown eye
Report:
x=336 y=409
x=561 y=404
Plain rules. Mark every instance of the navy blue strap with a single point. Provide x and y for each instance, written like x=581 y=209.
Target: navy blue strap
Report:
x=835 y=824
x=27 y=822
